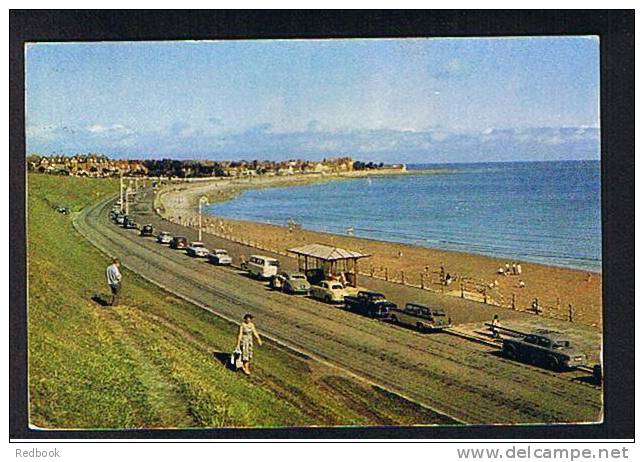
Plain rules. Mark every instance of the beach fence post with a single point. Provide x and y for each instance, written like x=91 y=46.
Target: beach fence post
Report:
x=422 y=281
x=402 y=277
x=372 y=270
x=570 y=312
x=386 y=273
x=514 y=301
x=485 y=295
x=462 y=289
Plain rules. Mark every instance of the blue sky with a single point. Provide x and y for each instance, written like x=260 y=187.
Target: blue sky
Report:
x=411 y=100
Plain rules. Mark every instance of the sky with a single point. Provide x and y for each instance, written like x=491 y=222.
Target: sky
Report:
x=397 y=100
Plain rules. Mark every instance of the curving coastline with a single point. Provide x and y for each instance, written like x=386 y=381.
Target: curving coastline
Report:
x=555 y=287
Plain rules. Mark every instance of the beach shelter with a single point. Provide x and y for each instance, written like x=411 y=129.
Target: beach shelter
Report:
x=330 y=259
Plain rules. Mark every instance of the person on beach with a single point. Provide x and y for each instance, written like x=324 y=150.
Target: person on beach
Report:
x=247 y=331
x=114 y=280
x=521 y=284
x=519 y=269
x=514 y=268
x=507 y=269
x=496 y=324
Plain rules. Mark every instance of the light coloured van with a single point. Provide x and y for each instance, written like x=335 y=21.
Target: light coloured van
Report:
x=262 y=267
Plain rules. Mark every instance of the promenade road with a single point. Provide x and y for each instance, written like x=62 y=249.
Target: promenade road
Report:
x=465 y=380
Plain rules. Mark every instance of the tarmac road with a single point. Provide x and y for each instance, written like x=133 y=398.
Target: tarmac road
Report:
x=464 y=380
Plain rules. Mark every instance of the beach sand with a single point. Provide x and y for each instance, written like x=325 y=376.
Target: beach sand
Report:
x=555 y=287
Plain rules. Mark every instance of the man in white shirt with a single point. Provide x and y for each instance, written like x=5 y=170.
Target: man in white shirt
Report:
x=114 y=280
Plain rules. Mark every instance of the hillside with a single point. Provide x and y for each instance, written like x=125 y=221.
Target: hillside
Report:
x=156 y=361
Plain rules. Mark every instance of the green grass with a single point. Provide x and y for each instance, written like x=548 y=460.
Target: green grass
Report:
x=157 y=361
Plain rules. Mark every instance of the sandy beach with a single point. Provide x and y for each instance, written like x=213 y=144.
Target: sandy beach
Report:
x=557 y=289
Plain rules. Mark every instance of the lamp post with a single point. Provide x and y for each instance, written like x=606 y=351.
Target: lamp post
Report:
x=203 y=200
x=127 y=202
x=121 y=192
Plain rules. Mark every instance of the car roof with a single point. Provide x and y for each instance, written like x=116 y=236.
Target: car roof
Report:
x=292 y=273
x=263 y=257
x=550 y=334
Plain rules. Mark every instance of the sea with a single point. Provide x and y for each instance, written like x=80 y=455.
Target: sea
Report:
x=544 y=212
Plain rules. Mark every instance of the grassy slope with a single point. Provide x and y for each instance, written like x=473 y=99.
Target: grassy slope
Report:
x=157 y=361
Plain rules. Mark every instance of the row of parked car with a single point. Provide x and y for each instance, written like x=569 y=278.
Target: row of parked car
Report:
x=194 y=249
x=545 y=348
x=367 y=303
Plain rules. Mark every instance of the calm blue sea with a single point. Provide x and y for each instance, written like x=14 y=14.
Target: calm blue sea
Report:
x=547 y=212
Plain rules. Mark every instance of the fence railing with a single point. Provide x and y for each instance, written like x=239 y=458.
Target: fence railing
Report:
x=435 y=281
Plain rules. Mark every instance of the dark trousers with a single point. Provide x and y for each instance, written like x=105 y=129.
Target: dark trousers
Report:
x=115 y=288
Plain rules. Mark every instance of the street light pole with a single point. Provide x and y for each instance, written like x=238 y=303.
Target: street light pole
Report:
x=127 y=202
x=121 y=192
x=203 y=200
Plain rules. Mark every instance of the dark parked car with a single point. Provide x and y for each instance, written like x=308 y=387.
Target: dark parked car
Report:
x=422 y=317
x=179 y=242
x=129 y=223
x=147 y=230
x=372 y=304
x=550 y=349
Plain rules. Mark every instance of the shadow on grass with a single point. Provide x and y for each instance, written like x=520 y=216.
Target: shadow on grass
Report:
x=588 y=379
x=224 y=359
x=101 y=300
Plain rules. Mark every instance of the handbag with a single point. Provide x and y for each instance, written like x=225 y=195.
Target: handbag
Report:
x=235 y=359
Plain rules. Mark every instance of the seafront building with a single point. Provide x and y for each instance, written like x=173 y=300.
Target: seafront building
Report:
x=100 y=166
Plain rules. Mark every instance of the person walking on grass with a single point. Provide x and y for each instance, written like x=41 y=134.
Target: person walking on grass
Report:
x=114 y=280
x=247 y=331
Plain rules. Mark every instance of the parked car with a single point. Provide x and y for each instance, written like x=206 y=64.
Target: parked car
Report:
x=197 y=249
x=63 y=210
x=422 y=317
x=113 y=214
x=329 y=291
x=179 y=242
x=129 y=223
x=547 y=348
x=372 y=304
x=164 y=237
x=220 y=257
x=261 y=267
x=120 y=218
x=291 y=282
x=147 y=230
